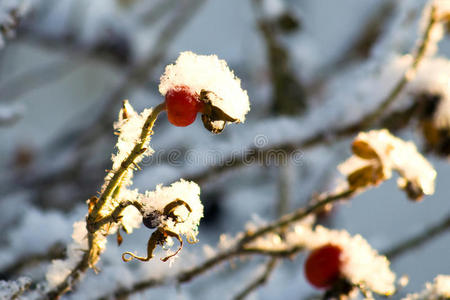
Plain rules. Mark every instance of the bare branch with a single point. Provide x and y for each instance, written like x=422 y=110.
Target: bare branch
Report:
x=53 y=252
x=420 y=239
x=259 y=280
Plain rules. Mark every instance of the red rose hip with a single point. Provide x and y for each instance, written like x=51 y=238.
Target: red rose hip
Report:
x=323 y=266
x=182 y=106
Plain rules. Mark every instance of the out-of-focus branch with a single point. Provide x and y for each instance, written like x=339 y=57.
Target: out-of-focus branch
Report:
x=357 y=49
x=35 y=78
x=409 y=74
x=420 y=239
x=55 y=251
x=288 y=94
x=259 y=280
x=283 y=202
x=239 y=249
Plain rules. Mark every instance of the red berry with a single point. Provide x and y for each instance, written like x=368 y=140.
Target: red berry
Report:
x=182 y=106
x=323 y=265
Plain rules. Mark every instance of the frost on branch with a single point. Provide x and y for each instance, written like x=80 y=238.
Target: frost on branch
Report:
x=377 y=153
x=128 y=129
x=431 y=92
x=439 y=289
x=61 y=268
x=213 y=83
x=14 y=288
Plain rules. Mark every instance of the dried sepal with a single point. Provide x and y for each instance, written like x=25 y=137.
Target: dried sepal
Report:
x=215 y=127
x=159 y=237
x=91 y=203
x=213 y=117
x=126 y=110
x=119 y=238
x=169 y=209
x=175 y=235
x=154 y=219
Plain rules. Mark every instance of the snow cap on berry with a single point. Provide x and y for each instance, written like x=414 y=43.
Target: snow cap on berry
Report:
x=188 y=216
x=361 y=264
x=215 y=84
x=377 y=153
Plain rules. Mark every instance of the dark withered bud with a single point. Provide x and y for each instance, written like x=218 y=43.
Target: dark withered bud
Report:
x=152 y=220
x=288 y=23
x=428 y=104
x=413 y=191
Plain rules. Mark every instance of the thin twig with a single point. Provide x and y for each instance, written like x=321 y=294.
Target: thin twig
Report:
x=35 y=78
x=408 y=75
x=56 y=251
x=282 y=208
x=258 y=281
x=420 y=239
x=295 y=216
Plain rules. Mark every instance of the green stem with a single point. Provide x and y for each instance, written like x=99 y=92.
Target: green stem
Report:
x=92 y=224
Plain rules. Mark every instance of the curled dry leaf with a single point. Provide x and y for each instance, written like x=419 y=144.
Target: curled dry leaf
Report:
x=377 y=153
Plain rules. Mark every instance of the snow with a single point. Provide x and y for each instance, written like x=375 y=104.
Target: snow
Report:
x=439 y=289
x=8 y=289
x=61 y=268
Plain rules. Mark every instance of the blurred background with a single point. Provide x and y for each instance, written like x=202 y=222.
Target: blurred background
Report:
x=308 y=66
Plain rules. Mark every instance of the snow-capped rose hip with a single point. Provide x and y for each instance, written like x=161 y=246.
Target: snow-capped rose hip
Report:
x=182 y=105
x=205 y=84
x=323 y=266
